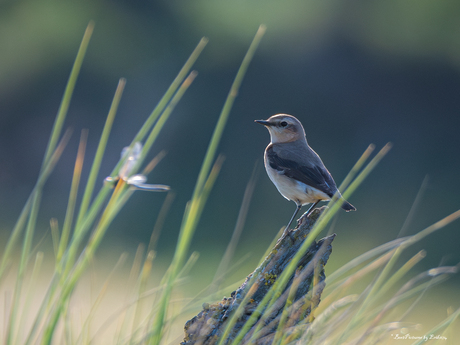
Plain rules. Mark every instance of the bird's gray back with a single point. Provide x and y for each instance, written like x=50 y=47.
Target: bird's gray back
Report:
x=299 y=161
x=298 y=151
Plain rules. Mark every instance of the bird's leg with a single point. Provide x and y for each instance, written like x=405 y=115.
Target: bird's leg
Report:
x=310 y=210
x=286 y=229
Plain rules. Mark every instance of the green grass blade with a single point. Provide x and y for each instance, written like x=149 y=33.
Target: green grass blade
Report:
x=372 y=164
x=229 y=252
x=401 y=272
x=68 y=219
x=279 y=335
x=95 y=167
x=164 y=117
x=384 y=248
x=99 y=298
x=54 y=226
x=186 y=233
x=23 y=263
x=162 y=120
x=143 y=277
x=358 y=165
x=160 y=107
x=212 y=147
x=271 y=245
x=432 y=228
x=30 y=291
x=81 y=227
x=410 y=215
x=63 y=108
x=160 y=220
x=14 y=237
x=196 y=210
x=171 y=91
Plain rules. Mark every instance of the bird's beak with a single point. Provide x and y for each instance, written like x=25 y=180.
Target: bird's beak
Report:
x=264 y=122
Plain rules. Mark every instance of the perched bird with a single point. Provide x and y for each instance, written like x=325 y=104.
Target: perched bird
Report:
x=296 y=170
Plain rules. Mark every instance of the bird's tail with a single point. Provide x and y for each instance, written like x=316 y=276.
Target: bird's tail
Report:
x=347 y=206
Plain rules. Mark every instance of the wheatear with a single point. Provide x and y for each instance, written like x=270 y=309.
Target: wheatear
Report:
x=296 y=170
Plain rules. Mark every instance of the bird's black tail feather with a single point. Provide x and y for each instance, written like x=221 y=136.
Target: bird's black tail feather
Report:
x=347 y=206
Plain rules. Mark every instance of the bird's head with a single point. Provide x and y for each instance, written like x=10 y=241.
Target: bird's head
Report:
x=283 y=128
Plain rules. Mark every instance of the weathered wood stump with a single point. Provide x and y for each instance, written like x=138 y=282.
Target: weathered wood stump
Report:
x=207 y=327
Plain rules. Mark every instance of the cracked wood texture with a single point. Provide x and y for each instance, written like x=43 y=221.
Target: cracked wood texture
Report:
x=207 y=327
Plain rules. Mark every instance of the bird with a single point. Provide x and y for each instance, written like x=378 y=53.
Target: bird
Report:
x=295 y=168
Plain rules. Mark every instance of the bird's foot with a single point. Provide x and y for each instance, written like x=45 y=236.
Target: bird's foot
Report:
x=308 y=213
x=288 y=233
x=311 y=216
x=285 y=232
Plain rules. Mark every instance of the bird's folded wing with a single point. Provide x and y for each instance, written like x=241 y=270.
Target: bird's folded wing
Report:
x=312 y=176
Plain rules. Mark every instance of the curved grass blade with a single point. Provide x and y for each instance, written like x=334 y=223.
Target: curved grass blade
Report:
x=72 y=196
x=63 y=108
x=95 y=167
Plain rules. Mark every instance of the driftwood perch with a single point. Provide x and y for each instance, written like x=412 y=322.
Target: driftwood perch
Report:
x=207 y=327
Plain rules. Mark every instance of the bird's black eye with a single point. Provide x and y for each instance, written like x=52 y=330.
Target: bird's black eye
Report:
x=283 y=123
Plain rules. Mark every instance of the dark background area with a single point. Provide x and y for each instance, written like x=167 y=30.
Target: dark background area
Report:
x=354 y=73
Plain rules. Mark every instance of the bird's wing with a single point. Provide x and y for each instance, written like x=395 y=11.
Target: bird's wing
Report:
x=314 y=176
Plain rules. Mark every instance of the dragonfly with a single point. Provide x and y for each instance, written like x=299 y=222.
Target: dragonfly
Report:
x=137 y=181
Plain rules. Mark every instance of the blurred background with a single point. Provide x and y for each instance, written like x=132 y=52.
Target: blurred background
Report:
x=354 y=73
